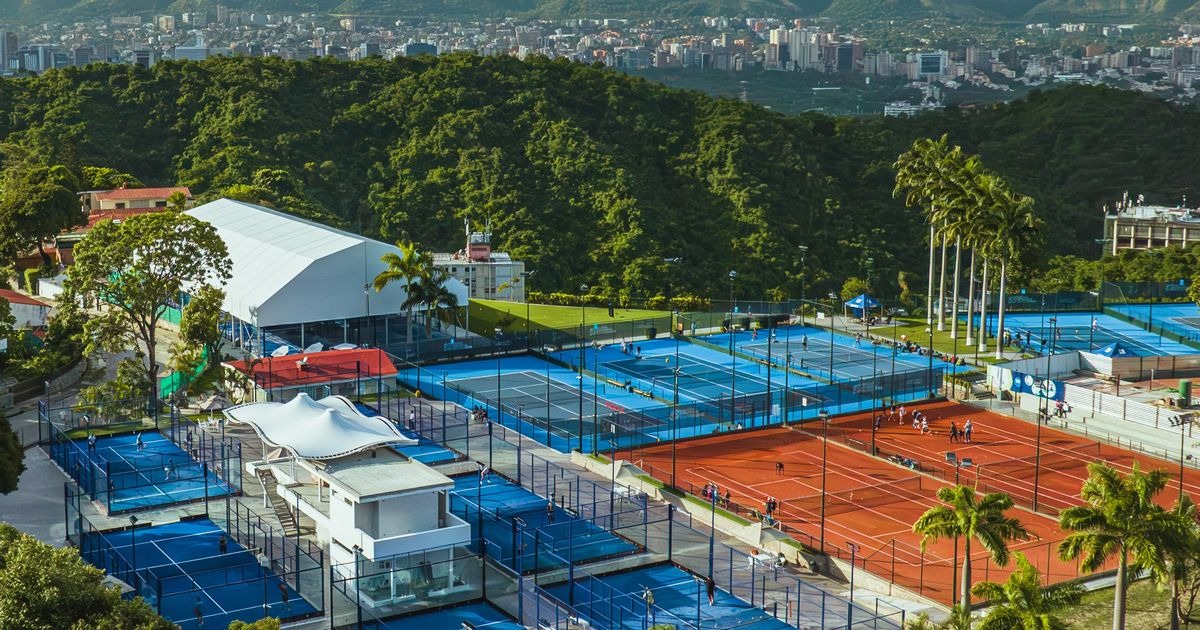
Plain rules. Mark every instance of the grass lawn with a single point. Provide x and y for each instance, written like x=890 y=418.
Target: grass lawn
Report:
x=486 y=315
x=914 y=328
x=1147 y=608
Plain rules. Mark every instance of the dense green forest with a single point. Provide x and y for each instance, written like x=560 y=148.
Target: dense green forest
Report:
x=1013 y=11
x=589 y=175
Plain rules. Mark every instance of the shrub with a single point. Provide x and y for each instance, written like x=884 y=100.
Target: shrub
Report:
x=31 y=280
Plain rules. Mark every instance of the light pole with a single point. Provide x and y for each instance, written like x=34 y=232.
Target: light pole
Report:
x=596 y=396
x=824 y=465
x=853 y=561
x=525 y=275
x=1184 y=422
x=732 y=355
x=803 y=272
x=583 y=289
x=952 y=458
x=1044 y=417
x=674 y=411
x=133 y=551
x=832 y=307
x=929 y=351
x=787 y=370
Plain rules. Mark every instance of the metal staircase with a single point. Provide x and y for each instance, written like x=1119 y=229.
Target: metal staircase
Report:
x=287 y=519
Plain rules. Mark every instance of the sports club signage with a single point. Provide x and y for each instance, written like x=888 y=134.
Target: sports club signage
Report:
x=1042 y=388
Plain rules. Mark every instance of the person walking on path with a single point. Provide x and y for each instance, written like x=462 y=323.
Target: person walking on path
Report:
x=549 y=512
x=967 y=428
x=710 y=587
x=953 y=432
x=778 y=468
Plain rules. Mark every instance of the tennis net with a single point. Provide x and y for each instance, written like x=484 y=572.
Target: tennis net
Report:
x=915 y=487
x=515 y=508
x=1073 y=457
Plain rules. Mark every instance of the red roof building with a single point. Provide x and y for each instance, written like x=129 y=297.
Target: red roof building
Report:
x=318 y=368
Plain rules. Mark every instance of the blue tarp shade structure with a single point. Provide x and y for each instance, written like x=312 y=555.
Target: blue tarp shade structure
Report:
x=1117 y=350
x=860 y=304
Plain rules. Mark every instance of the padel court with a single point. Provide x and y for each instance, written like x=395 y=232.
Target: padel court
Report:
x=180 y=568
x=480 y=616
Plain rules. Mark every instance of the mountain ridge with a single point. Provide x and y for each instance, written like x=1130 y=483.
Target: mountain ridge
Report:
x=1010 y=11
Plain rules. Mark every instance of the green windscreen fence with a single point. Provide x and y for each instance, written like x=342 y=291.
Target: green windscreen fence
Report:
x=178 y=381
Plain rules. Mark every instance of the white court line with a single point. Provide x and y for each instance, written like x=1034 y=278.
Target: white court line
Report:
x=189 y=577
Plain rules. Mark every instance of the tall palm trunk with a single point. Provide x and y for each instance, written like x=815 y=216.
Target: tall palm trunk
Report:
x=957 y=277
x=1119 y=593
x=1175 y=595
x=409 y=324
x=941 y=307
x=971 y=301
x=964 y=593
x=983 y=305
x=1000 y=309
x=929 y=293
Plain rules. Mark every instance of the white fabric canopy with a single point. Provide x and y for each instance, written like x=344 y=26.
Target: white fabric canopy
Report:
x=317 y=429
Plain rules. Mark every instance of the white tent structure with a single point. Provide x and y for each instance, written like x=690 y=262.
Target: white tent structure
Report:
x=288 y=270
x=317 y=429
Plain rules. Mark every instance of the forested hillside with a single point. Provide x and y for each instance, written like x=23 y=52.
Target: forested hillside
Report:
x=590 y=175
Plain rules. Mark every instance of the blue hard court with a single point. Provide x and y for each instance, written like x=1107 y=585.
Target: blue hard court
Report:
x=1074 y=331
x=1183 y=319
x=480 y=615
x=180 y=566
x=615 y=601
x=158 y=474
x=560 y=538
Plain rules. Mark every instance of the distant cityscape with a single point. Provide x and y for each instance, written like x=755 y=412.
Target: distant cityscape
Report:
x=715 y=44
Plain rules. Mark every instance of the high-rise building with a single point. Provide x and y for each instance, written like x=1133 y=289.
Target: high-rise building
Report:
x=82 y=55
x=8 y=48
x=165 y=23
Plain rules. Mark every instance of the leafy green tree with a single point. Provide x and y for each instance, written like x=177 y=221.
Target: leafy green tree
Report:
x=105 y=178
x=1023 y=603
x=962 y=515
x=200 y=322
x=1121 y=519
x=407 y=267
x=37 y=203
x=137 y=267
x=12 y=457
x=854 y=287
x=123 y=394
x=49 y=588
x=1183 y=563
x=266 y=623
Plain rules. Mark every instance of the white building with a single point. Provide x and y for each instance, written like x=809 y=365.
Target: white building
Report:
x=299 y=282
x=29 y=312
x=488 y=275
x=372 y=506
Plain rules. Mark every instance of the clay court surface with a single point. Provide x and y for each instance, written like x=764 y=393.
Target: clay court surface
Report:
x=873 y=502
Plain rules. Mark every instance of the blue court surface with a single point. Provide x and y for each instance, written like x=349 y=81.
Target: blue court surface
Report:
x=1074 y=331
x=480 y=615
x=180 y=566
x=1181 y=318
x=560 y=537
x=615 y=601
x=425 y=450
x=806 y=349
x=158 y=474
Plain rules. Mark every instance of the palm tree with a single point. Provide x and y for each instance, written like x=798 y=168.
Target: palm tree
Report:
x=957 y=214
x=407 y=266
x=1120 y=519
x=434 y=294
x=1022 y=603
x=962 y=516
x=1184 y=557
x=916 y=181
x=1009 y=229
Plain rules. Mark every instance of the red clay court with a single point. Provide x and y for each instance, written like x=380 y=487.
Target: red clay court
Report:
x=872 y=502
x=1003 y=451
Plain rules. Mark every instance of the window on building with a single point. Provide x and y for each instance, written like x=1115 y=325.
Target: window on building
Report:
x=120 y=205
x=160 y=204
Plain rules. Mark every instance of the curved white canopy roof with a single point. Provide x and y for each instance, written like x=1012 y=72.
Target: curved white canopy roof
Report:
x=317 y=429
